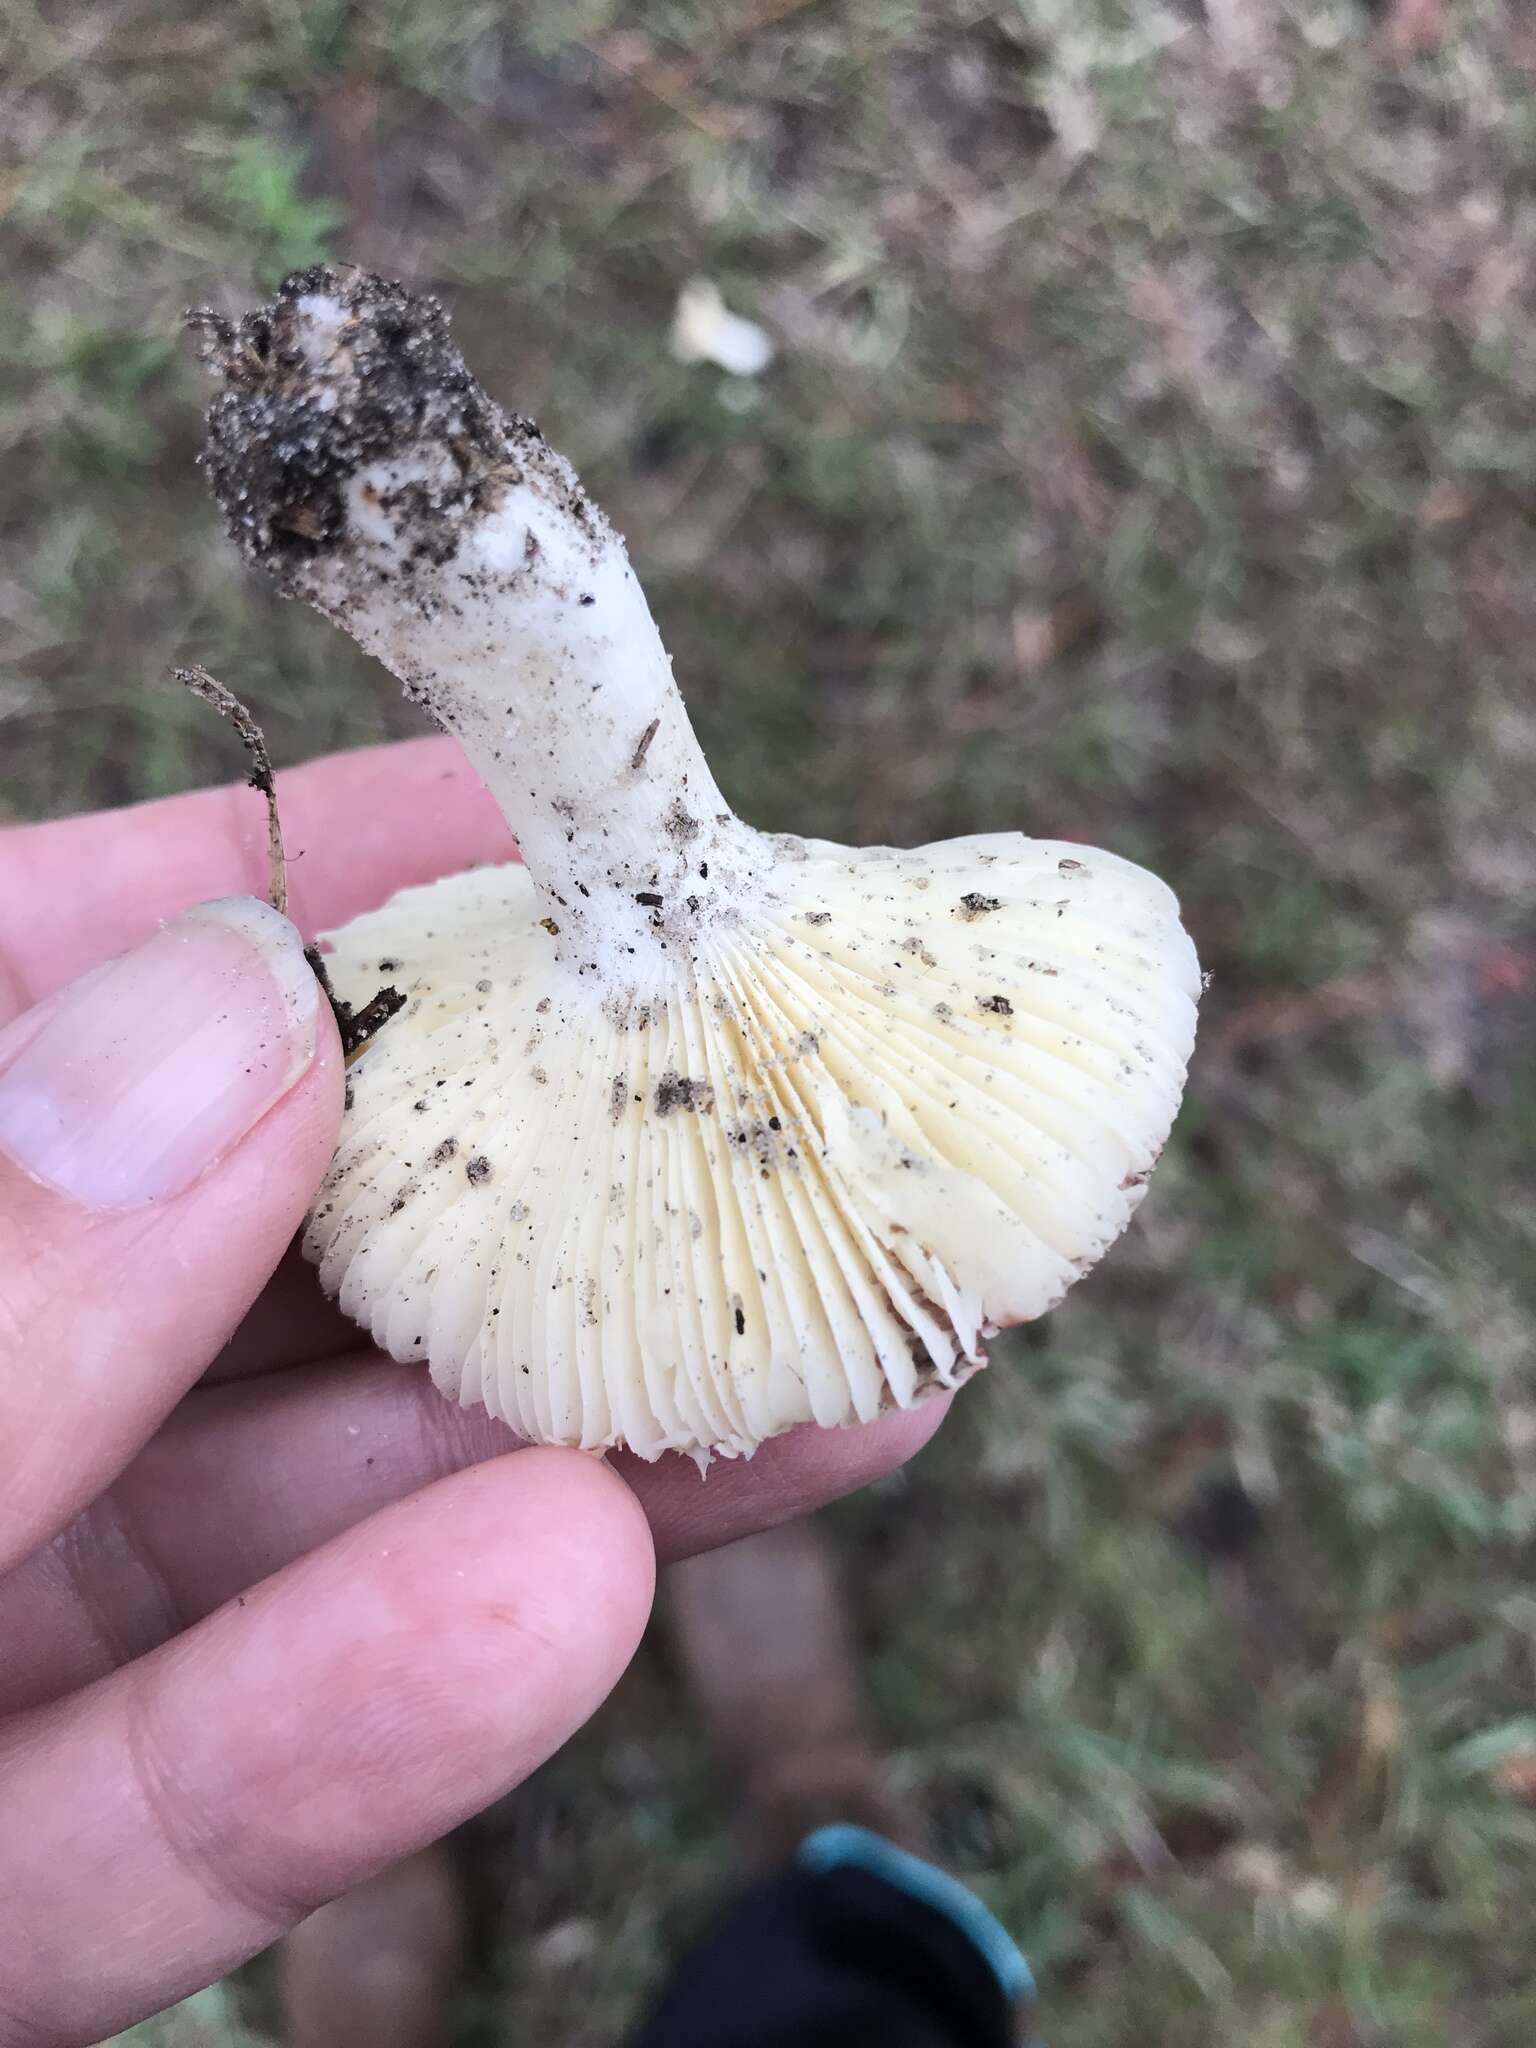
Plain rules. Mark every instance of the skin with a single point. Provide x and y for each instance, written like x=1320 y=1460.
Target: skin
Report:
x=273 y=1613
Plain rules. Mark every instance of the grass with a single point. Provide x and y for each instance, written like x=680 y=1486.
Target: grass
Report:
x=1147 y=460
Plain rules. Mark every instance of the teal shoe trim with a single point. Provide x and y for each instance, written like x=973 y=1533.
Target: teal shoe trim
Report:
x=843 y=1846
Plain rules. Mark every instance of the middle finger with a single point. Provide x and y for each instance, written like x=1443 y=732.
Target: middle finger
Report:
x=249 y=1475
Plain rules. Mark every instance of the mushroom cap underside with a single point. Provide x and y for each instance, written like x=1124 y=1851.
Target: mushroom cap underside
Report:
x=906 y=1101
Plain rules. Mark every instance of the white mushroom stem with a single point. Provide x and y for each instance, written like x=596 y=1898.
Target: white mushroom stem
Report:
x=452 y=542
x=537 y=649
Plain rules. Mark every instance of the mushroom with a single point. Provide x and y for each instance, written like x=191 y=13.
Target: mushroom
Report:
x=687 y=1133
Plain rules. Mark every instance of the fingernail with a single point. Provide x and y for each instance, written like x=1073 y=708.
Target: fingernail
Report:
x=146 y=1071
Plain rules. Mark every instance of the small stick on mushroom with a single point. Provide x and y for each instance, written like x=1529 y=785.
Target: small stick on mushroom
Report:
x=197 y=679
x=687 y=1133
x=354 y=1027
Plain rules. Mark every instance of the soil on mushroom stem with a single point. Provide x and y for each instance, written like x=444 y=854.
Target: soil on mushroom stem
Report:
x=285 y=445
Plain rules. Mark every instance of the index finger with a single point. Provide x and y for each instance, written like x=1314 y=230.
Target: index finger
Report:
x=356 y=826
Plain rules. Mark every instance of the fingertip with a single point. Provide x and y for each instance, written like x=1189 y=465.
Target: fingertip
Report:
x=790 y=1475
x=595 y=1550
x=517 y=1592
x=451 y=1642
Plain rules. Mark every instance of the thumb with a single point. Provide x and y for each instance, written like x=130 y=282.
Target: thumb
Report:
x=164 y=1122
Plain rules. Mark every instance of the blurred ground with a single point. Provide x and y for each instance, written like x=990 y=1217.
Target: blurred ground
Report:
x=1148 y=459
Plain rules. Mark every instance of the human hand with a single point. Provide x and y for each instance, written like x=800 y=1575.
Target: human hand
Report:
x=272 y=1612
